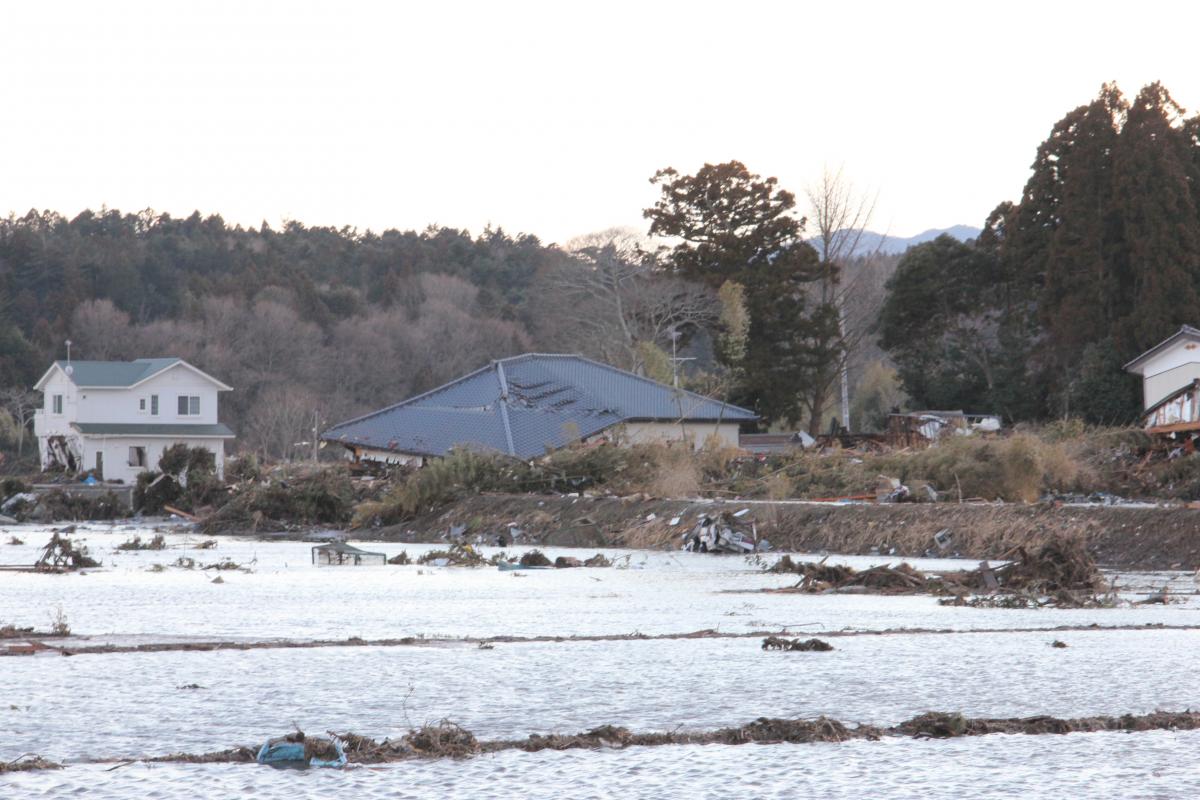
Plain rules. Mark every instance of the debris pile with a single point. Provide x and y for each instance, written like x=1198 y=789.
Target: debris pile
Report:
x=62 y=505
x=459 y=555
x=286 y=500
x=535 y=558
x=443 y=739
x=806 y=645
x=598 y=560
x=727 y=533
x=10 y=631
x=1060 y=570
x=61 y=555
x=28 y=762
x=400 y=559
x=446 y=739
x=136 y=543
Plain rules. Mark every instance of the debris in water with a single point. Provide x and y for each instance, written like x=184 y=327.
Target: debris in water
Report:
x=60 y=555
x=136 y=543
x=535 y=558
x=459 y=555
x=1061 y=570
x=807 y=645
x=27 y=763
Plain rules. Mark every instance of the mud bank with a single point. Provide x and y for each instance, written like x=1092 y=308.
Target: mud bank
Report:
x=35 y=646
x=448 y=740
x=1118 y=537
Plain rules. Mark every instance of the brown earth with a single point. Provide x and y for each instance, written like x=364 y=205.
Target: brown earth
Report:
x=1118 y=537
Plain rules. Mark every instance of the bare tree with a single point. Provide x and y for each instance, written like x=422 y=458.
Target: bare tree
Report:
x=613 y=303
x=21 y=404
x=101 y=331
x=841 y=216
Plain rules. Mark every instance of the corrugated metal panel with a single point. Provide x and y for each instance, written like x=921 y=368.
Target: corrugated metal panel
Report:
x=551 y=401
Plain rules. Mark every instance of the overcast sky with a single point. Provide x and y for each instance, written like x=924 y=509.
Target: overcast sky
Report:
x=549 y=118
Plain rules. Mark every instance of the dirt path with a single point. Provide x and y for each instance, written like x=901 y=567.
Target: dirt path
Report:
x=1119 y=537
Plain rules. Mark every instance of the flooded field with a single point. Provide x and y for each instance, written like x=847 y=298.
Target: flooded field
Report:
x=117 y=707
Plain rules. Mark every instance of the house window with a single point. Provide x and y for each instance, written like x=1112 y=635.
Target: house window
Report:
x=189 y=405
x=142 y=405
x=154 y=405
x=137 y=456
x=57 y=399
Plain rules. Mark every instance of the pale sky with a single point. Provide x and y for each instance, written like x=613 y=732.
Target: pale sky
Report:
x=549 y=118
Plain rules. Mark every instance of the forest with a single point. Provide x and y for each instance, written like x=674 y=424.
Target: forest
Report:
x=769 y=295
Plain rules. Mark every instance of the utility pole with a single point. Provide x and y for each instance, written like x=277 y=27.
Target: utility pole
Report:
x=316 y=429
x=675 y=359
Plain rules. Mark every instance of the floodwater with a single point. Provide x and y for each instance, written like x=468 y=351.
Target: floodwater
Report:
x=992 y=662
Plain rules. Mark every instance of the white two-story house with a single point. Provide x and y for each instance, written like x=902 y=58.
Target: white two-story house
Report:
x=116 y=417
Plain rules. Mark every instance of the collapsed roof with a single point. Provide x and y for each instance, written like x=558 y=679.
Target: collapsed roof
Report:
x=526 y=405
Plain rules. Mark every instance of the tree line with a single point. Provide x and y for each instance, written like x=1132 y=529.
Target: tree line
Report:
x=1097 y=262
x=775 y=309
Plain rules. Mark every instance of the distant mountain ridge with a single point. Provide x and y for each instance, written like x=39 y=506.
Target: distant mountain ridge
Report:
x=872 y=241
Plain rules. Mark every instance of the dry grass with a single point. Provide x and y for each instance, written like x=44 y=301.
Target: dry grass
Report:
x=677 y=473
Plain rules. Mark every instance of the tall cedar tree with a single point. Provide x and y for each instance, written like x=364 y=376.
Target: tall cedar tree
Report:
x=733 y=225
x=1099 y=261
x=1161 y=229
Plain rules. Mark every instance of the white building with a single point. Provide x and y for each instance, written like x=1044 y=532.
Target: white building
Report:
x=1170 y=373
x=117 y=417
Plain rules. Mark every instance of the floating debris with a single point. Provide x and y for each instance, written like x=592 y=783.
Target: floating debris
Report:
x=136 y=543
x=807 y=645
x=61 y=555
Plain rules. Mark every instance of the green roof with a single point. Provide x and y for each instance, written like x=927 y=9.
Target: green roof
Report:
x=220 y=430
x=115 y=374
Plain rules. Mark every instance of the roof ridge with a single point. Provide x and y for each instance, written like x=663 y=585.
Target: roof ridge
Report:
x=414 y=398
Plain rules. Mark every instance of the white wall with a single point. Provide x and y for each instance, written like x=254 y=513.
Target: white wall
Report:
x=1156 y=387
x=122 y=405
x=116 y=454
x=1172 y=369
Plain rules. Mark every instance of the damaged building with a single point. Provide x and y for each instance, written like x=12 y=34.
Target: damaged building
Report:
x=1170 y=373
x=115 y=418
x=528 y=405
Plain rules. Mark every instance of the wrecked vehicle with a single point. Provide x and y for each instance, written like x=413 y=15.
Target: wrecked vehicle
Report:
x=719 y=535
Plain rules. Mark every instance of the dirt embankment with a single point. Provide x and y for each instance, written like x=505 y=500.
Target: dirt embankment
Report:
x=1118 y=537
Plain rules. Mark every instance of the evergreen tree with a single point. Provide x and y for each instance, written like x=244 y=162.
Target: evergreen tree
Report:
x=1160 y=226
x=733 y=225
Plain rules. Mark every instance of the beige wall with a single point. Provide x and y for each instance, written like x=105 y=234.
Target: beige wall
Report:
x=696 y=432
x=1156 y=387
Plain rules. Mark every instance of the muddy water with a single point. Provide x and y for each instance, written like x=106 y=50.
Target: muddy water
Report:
x=129 y=705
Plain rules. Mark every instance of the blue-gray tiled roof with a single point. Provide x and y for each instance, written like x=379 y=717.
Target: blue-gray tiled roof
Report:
x=551 y=401
x=115 y=374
